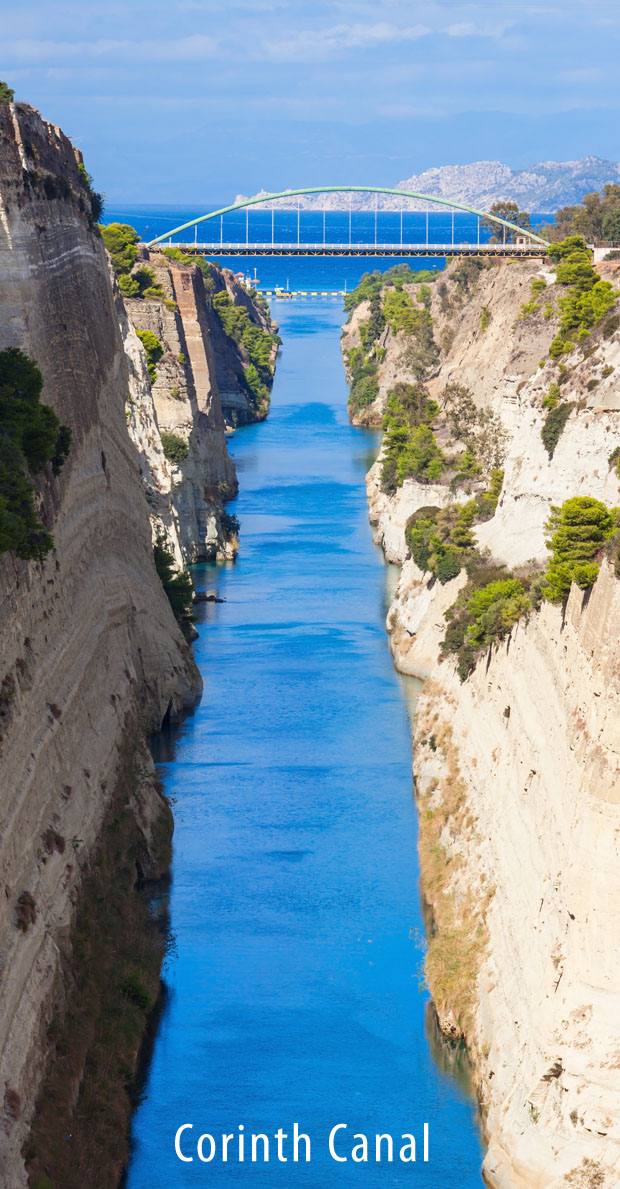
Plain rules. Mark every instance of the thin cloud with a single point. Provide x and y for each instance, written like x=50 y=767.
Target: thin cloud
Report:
x=315 y=43
x=196 y=48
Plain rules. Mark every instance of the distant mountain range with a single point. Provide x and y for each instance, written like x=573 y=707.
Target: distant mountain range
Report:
x=542 y=188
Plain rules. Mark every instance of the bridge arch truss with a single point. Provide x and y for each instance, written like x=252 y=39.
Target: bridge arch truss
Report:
x=262 y=199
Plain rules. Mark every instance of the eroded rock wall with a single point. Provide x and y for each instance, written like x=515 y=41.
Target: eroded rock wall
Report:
x=186 y=403
x=517 y=769
x=88 y=645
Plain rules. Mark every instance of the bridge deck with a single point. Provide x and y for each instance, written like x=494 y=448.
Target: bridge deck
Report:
x=400 y=250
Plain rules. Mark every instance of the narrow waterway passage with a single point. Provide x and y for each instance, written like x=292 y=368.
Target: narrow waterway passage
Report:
x=293 y=990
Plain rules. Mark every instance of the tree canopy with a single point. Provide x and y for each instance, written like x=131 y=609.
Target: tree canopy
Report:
x=596 y=217
x=510 y=211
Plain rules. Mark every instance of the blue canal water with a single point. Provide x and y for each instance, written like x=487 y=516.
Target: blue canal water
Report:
x=293 y=989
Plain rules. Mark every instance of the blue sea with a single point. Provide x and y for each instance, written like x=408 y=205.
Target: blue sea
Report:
x=335 y=273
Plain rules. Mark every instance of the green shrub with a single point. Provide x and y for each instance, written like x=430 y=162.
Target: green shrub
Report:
x=154 y=351
x=554 y=424
x=258 y=343
x=136 y=992
x=588 y=298
x=30 y=437
x=230 y=524
x=485 y=318
x=373 y=328
x=577 y=531
x=424 y=296
x=120 y=240
x=441 y=539
x=95 y=200
x=538 y=285
x=614 y=460
x=487 y=500
x=420 y=457
x=364 y=387
x=485 y=612
x=6 y=94
x=176 y=583
x=175 y=448
x=399 y=311
x=551 y=400
x=397 y=276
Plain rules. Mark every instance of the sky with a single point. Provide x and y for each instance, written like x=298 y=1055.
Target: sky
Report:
x=196 y=101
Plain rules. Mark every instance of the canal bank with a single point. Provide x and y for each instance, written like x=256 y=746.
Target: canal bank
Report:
x=293 y=985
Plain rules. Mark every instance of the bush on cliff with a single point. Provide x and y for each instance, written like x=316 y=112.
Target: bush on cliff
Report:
x=441 y=540
x=485 y=612
x=373 y=328
x=364 y=386
x=588 y=298
x=154 y=351
x=577 y=532
x=480 y=430
x=554 y=424
x=396 y=276
x=175 y=448
x=120 y=240
x=31 y=436
x=409 y=409
x=177 y=583
x=95 y=199
x=6 y=94
x=257 y=342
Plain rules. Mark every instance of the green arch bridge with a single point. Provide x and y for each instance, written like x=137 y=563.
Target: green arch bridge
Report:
x=529 y=243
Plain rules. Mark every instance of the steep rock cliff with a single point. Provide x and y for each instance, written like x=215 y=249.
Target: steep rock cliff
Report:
x=91 y=654
x=187 y=404
x=517 y=768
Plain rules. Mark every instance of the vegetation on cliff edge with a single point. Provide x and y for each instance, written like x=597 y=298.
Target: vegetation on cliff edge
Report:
x=371 y=284
x=174 y=447
x=596 y=217
x=587 y=299
x=494 y=600
x=257 y=343
x=576 y=532
x=177 y=584
x=31 y=437
x=154 y=351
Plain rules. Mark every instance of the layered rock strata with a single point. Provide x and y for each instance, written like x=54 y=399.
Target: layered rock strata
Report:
x=185 y=402
x=90 y=652
x=517 y=769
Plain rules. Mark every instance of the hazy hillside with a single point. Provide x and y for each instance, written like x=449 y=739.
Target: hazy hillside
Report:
x=543 y=187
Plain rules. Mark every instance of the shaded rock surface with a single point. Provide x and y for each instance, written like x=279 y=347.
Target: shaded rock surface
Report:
x=89 y=648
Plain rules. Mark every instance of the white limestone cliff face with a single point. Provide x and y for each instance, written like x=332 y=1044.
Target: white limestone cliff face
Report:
x=185 y=401
x=538 y=743
x=523 y=759
x=90 y=654
x=143 y=426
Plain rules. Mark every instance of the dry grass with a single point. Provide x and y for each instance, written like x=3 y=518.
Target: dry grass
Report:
x=458 y=937
x=588 y=1175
